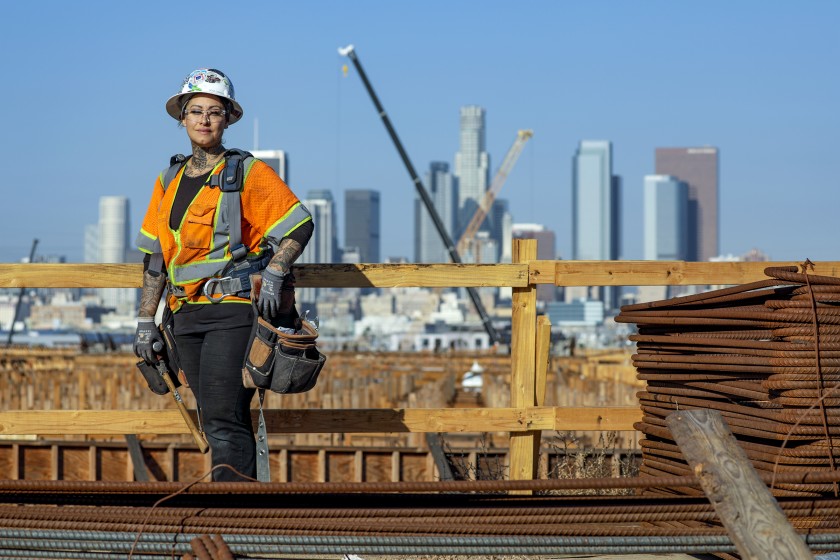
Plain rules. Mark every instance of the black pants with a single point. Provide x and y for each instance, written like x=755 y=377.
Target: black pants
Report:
x=212 y=361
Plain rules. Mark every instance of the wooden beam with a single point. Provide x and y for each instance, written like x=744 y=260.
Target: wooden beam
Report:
x=517 y=275
x=607 y=419
x=752 y=517
x=301 y=421
x=47 y=275
x=523 y=373
x=658 y=273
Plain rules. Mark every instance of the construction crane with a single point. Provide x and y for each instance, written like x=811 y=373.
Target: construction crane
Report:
x=350 y=52
x=466 y=243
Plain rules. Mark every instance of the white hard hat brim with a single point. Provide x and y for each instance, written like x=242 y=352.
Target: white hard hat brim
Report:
x=174 y=104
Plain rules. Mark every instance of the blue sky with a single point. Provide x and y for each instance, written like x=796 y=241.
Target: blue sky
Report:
x=84 y=87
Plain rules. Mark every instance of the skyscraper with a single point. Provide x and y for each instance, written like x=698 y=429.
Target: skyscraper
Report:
x=361 y=223
x=323 y=245
x=443 y=190
x=665 y=218
x=596 y=209
x=278 y=160
x=472 y=165
x=113 y=246
x=698 y=168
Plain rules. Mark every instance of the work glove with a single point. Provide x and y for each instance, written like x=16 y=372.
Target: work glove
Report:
x=269 y=302
x=145 y=338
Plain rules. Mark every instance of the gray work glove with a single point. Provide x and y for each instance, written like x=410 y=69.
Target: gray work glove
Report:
x=269 y=302
x=144 y=339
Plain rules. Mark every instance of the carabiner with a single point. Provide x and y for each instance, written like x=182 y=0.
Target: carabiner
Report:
x=209 y=288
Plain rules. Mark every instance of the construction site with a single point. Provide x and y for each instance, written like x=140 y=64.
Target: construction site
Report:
x=708 y=433
x=445 y=468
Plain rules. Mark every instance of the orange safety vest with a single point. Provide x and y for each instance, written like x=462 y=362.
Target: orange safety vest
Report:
x=199 y=248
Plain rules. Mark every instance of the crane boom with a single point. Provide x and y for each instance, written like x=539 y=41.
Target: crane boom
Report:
x=350 y=52
x=501 y=175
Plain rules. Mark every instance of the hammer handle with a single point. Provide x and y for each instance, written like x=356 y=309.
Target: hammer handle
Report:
x=197 y=436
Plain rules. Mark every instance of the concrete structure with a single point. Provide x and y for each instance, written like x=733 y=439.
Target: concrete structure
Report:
x=665 y=218
x=362 y=223
x=596 y=210
x=697 y=167
x=442 y=188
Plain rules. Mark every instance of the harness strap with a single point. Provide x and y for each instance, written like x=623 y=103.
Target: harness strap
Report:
x=263 y=470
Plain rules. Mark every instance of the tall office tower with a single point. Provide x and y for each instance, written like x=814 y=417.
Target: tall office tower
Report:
x=596 y=210
x=278 y=160
x=322 y=247
x=361 y=223
x=113 y=246
x=697 y=167
x=665 y=218
x=472 y=165
x=546 y=242
x=91 y=249
x=443 y=190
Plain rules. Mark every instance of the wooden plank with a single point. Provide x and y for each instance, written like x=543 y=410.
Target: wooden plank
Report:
x=659 y=273
x=543 y=357
x=752 y=517
x=306 y=421
x=523 y=363
x=585 y=418
x=444 y=275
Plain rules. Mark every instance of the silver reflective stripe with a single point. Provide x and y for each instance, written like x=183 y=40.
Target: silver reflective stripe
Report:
x=296 y=216
x=145 y=243
x=195 y=272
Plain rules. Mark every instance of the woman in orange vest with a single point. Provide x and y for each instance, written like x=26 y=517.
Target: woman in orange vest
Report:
x=190 y=226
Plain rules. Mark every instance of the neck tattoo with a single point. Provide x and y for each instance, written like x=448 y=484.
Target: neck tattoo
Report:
x=203 y=160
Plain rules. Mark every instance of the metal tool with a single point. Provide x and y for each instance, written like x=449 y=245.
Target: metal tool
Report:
x=160 y=365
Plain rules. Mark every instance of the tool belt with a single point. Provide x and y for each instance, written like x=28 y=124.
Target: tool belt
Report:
x=283 y=359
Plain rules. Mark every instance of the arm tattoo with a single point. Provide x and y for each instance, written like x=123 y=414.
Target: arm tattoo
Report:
x=287 y=253
x=150 y=295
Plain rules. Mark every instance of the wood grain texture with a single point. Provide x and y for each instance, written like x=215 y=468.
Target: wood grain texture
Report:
x=305 y=421
x=44 y=275
x=658 y=273
x=752 y=517
x=523 y=373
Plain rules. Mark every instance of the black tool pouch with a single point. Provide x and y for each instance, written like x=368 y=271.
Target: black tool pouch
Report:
x=282 y=362
x=153 y=379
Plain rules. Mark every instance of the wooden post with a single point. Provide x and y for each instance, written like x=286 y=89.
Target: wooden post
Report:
x=752 y=517
x=543 y=357
x=523 y=363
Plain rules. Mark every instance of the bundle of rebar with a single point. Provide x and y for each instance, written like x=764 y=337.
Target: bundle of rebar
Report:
x=766 y=355
x=63 y=519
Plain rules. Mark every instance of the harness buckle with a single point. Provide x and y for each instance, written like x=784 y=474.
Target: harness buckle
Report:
x=209 y=288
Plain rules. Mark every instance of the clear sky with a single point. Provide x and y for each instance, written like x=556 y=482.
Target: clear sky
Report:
x=84 y=86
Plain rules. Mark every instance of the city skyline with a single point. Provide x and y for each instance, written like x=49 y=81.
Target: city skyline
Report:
x=759 y=92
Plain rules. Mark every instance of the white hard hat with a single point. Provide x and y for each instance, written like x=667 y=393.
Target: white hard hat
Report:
x=205 y=80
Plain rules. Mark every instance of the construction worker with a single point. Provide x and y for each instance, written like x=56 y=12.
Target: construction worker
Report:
x=190 y=233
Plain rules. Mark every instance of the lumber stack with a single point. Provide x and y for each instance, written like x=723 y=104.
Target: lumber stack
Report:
x=765 y=354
